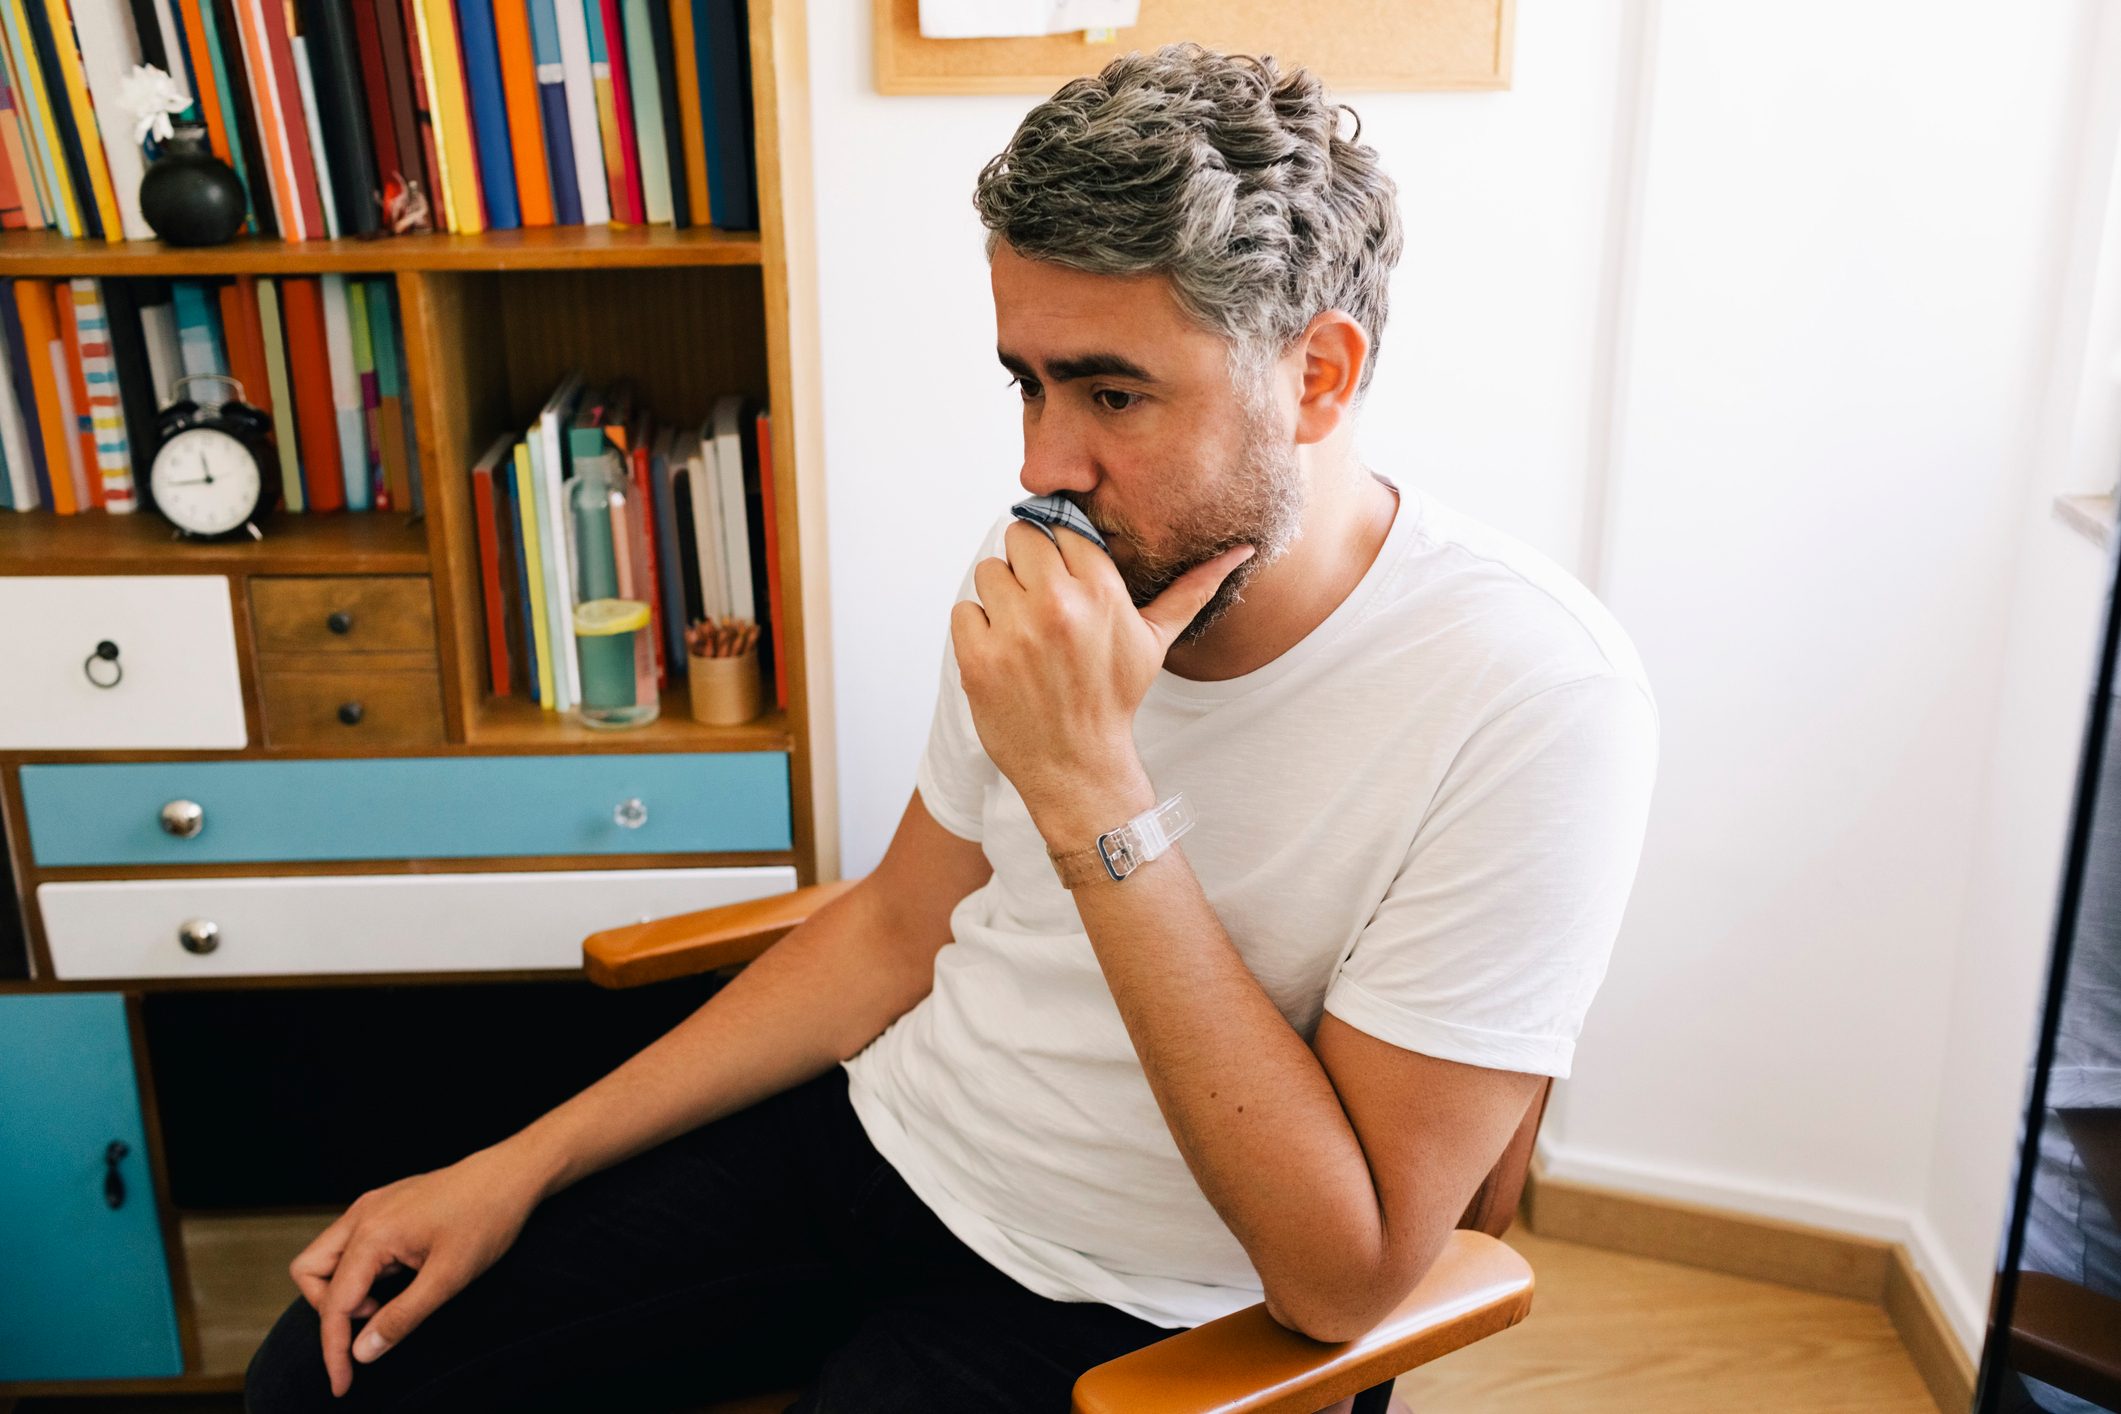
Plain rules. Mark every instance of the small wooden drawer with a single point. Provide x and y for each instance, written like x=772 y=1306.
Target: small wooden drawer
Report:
x=111 y=662
x=368 y=923
x=352 y=708
x=343 y=614
x=433 y=807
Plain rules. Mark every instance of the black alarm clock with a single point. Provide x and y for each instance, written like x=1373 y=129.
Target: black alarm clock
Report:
x=216 y=471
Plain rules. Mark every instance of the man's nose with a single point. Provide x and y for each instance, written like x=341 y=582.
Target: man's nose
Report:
x=1057 y=457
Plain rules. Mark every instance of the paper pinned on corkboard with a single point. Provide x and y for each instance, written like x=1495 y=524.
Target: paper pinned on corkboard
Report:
x=1009 y=19
x=1356 y=46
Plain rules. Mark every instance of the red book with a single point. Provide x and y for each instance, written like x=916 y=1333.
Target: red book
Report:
x=423 y=110
x=309 y=371
x=375 y=87
x=622 y=100
x=294 y=124
x=482 y=518
x=84 y=429
x=246 y=340
x=651 y=585
x=773 y=560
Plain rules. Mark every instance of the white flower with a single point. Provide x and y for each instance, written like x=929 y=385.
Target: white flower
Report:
x=152 y=97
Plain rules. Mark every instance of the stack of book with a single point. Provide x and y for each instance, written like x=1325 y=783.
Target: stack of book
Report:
x=85 y=365
x=365 y=117
x=705 y=493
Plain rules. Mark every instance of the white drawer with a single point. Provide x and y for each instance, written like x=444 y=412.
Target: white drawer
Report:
x=176 y=679
x=371 y=923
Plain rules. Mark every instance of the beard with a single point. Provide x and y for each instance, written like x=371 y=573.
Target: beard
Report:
x=1260 y=503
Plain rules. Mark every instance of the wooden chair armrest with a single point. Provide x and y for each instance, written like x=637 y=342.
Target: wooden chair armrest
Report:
x=1249 y=1363
x=688 y=943
x=2067 y=1335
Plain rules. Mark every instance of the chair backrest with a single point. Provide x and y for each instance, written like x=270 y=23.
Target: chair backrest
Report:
x=1495 y=1201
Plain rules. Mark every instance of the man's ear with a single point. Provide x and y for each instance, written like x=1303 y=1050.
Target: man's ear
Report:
x=1333 y=353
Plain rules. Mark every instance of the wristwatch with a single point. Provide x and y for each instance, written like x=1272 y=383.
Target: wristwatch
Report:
x=1120 y=852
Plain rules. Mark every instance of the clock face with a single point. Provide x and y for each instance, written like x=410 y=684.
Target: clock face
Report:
x=205 y=481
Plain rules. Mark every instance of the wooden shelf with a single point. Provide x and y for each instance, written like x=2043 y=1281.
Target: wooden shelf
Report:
x=43 y=253
x=513 y=724
x=96 y=542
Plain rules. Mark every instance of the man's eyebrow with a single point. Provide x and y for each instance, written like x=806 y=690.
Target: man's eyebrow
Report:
x=1090 y=365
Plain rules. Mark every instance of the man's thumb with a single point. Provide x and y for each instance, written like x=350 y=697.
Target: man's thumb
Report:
x=1170 y=611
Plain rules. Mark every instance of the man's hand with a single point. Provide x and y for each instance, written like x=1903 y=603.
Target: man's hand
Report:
x=449 y=1226
x=1056 y=659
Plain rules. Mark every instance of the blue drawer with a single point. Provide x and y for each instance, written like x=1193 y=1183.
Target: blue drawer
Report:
x=426 y=808
x=84 y=1286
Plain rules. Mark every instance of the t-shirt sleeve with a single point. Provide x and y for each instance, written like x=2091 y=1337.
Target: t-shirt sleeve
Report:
x=1496 y=932
x=954 y=771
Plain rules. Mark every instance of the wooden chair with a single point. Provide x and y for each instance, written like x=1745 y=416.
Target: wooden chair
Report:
x=1246 y=1363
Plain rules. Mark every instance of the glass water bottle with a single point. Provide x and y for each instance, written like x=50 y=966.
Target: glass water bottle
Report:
x=613 y=626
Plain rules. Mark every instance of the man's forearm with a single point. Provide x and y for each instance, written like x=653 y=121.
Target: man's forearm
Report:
x=788 y=1017
x=1252 y=1110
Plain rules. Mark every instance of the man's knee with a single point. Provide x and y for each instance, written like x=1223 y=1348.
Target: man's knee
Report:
x=286 y=1374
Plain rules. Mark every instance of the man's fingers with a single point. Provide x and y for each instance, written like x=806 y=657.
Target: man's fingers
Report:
x=434 y=1284
x=1172 y=610
x=349 y=1287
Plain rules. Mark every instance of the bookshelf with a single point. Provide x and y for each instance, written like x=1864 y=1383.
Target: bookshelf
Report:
x=491 y=322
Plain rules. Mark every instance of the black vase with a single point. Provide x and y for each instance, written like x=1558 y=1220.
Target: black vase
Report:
x=190 y=196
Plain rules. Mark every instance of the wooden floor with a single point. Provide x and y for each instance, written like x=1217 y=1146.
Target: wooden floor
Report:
x=1608 y=1332
x=1611 y=1332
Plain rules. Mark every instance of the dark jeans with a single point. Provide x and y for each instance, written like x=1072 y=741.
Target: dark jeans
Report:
x=771 y=1249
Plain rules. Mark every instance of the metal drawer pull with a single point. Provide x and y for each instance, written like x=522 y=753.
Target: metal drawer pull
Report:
x=183 y=818
x=350 y=713
x=113 y=1181
x=199 y=935
x=106 y=652
x=630 y=815
x=340 y=622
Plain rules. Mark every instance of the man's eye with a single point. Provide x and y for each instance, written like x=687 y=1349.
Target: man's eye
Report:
x=1025 y=386
x=1126 y=400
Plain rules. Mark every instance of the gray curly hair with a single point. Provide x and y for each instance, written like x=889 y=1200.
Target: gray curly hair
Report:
x=1220 y=171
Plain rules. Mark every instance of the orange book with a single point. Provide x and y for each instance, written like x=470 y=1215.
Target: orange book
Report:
x=689 y=120
x=84 y=429
x=208 y=93
x=246 y=340
x=316 y=416
x=519 y=82
x=33 y=302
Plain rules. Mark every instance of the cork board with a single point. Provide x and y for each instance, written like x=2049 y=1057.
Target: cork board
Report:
x=1354 y=45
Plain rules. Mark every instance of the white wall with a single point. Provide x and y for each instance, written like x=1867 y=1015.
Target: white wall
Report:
x=1779 y=361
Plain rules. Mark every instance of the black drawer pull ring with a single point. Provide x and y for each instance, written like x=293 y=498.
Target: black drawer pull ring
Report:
x=106 y=652
x=113 y=1181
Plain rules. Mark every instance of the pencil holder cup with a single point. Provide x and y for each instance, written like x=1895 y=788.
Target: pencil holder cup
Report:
x=725 y=691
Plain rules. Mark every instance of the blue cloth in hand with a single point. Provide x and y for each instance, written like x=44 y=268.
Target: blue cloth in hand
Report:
x=1046 y=512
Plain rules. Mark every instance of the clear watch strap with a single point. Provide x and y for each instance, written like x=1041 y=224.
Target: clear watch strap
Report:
x=1145 y=837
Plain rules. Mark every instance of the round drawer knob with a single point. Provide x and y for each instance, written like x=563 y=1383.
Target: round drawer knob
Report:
x=630 y=815
x=183 y=818
x=200 y=936
x=102 y=666
x=340 y=622
x=350 y=713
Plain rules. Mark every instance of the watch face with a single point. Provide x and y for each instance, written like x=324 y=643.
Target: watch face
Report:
x=206 y=481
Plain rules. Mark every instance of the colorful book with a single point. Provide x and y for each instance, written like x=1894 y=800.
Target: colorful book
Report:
x=217 y=80
x=551 y=463
x=99 y=370
x=282 y=394
x=375 y=87
x=345 y=394
x=507 y=523
x=530 y=530
x=319 y=159
x=17 y=417
x=615 y=42
x=42 y=104
x=420 y=70
x=248 y=137
x=771 y=524
x=725 y=111
x=644 y=88
x=198 y=330
x=685 y=53
x=275 y=153
x=519 y=88
x=452 y=113
x=488 y=113
x=246 y=340
x=108 y=53
x=31 y=203
x=23 y=373
x=560 y=157
x=663 y=36
x=309 y=369
x=729 y=429
x=295 y=144
x=398 y=73
x=486 y=528
x=617 y=154
x=364 y=355
x=392 y=433
x=136 y=388
x=342 y=113
x=88 y=485
x=584 y=129
x=78 y=120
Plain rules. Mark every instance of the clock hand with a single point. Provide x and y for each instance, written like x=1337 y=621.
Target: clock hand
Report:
x=207 y=482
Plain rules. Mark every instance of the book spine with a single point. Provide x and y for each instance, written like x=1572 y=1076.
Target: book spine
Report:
x=79 y=119
x=773 y=558
x=519 y=88
x=294 y=121
x=107 y=415
x=364 y=357
x=342 y=108
x=345 y=394
x=282 y=394
x=489 y=113
x=529 y=537
x=552 y=105
x=399 y=66
x=73 y=403
x=17 y=414
x=108 y=52
x=319 y=160
x=666 y=82
x=646 y=91
x=421 y=73
x=622 y=109
x=272 y=136
x=582 y=123
x=725 y=102
x=685 y=54
x=309 y=366
x=34 y=79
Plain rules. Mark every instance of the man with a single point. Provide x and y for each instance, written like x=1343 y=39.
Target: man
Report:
x=974 y=1129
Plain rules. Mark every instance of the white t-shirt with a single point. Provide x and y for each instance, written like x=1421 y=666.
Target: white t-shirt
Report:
x=1424 y=818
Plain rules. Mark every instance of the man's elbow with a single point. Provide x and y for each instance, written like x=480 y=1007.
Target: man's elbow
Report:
x=1344 y=1308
